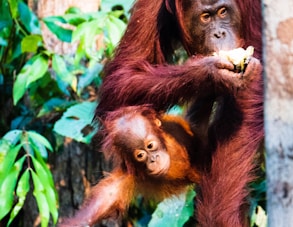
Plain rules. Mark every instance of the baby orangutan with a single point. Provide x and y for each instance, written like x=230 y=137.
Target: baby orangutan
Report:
x=151 y=155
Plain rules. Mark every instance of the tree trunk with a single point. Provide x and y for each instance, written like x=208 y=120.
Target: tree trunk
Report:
x=278 y=61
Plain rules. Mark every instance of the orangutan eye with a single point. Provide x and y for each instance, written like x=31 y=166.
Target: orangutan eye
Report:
x=140 y=155
x=222 y=12
x=152 y=146
x=205 y=17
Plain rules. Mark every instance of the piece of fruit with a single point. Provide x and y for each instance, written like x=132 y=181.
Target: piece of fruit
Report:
x=239 y=57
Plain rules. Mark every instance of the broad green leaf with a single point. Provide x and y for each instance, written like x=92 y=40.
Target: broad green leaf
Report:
x=19 y=85
x=53 y=23
x=7 y=188
x=115 y=28
x=13 y=136
x=45 y=168
x=174 y=211
x=38 y=68
x=30 y=43
x=5 y=19
x=38 y=144
x=76 y=121
x=73 y=10
x=59 y=65
x=42 y=174
x=8 y=162
x=88 y=30
x=86 y=34
x=28 y=18
x=38 y=138
x=39 y=194
x=13 y=8
x=22 y=189
x=32 y=71
x=49 y=191
x=5 y=146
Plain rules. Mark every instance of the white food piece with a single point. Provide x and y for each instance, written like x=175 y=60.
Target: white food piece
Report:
x=239 y=57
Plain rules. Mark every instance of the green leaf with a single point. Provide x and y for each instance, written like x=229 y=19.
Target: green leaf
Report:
x=19 y=85
x=182 y=210
x=54 y=104
x=21 y=192
x=75 y=122
x=59 y=65
x=32 y=71
x=7 y=188
x=42 y=174
x=38 y=138
x=13 y=136
x=45 y=167
x=115 y=28
x=38 y=68
x=89 y=76
x=39 y=194
x=62 y=33
x=8 y=162
x=13 y=8
x=5 y=19
x=30 y=43
x=73 y=10
x=49 y=190
x=28 y=18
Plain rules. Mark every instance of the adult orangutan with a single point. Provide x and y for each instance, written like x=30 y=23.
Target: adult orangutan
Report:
x=224 y=105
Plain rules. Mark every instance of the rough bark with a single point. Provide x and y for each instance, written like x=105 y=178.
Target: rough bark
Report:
x=278 y=60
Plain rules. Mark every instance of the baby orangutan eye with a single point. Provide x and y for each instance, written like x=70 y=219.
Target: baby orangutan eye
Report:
x=140 y=155
x=152 y=146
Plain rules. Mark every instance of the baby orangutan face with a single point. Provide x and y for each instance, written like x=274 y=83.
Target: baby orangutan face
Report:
x=140 y=137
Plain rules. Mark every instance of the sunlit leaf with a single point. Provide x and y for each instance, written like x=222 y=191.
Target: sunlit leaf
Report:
x=8 y=162
x=29 y=19
x=7 y=188
x=59 y=65
x=32 y=71
x=115 y=28
x=39 y=194
x=49 y=191
x=38 y=138
x=5 y=19
x=182 y=210
x=22 y=189
x=30 y=43
x=19 y=86
x=74 y=120
x=13 y=136
x=54 y=24
x=13 y=8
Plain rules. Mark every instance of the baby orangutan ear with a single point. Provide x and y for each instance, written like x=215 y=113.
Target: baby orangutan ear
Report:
x=158 y=122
